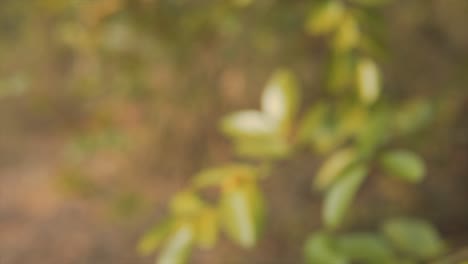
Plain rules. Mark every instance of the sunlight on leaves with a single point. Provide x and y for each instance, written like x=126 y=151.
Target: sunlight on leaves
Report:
x=248 y=123
x=242 y=213
x=280 y=97
x=178 y=246
x=368 y=81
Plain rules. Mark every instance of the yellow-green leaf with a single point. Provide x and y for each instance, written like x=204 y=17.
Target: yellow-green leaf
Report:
x=207 y=228
x=334 y=167
x=325 y=18
x=154 y=237
x=414 y=237
x=368 y=80
x=320 y=248
x=178 y=245
x=186 y=203
x=340 y=196
x=280 y=97
x=241 y=212
x=258 y=206
x=348 y=35
x=366 y=248
x=404 y=164
x=216 y=176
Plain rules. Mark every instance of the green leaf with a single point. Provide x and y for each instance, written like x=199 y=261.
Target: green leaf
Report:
x=404 y=164
x=207 y=228
x=186 y=203
x=249 y=123
x=348 y=35
x=178 y=245
x=216 y=176
x=333 y=168
x=154 y=237
x=280 y=97
x=414 y=237
x=242 y=213
x=325 y=18
x=340 y=196
x=319 y=248
x=368 y=80
x=258 y=202
x=366 y=248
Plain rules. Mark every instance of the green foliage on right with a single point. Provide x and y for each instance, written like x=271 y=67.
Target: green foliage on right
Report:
x=351 y=131
x=403 y=240
x=414 y=237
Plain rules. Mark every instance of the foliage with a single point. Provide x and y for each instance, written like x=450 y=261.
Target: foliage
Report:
x=353 y=132
x=135 y=76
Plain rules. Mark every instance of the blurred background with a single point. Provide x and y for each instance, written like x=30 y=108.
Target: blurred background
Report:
x=107 y=107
